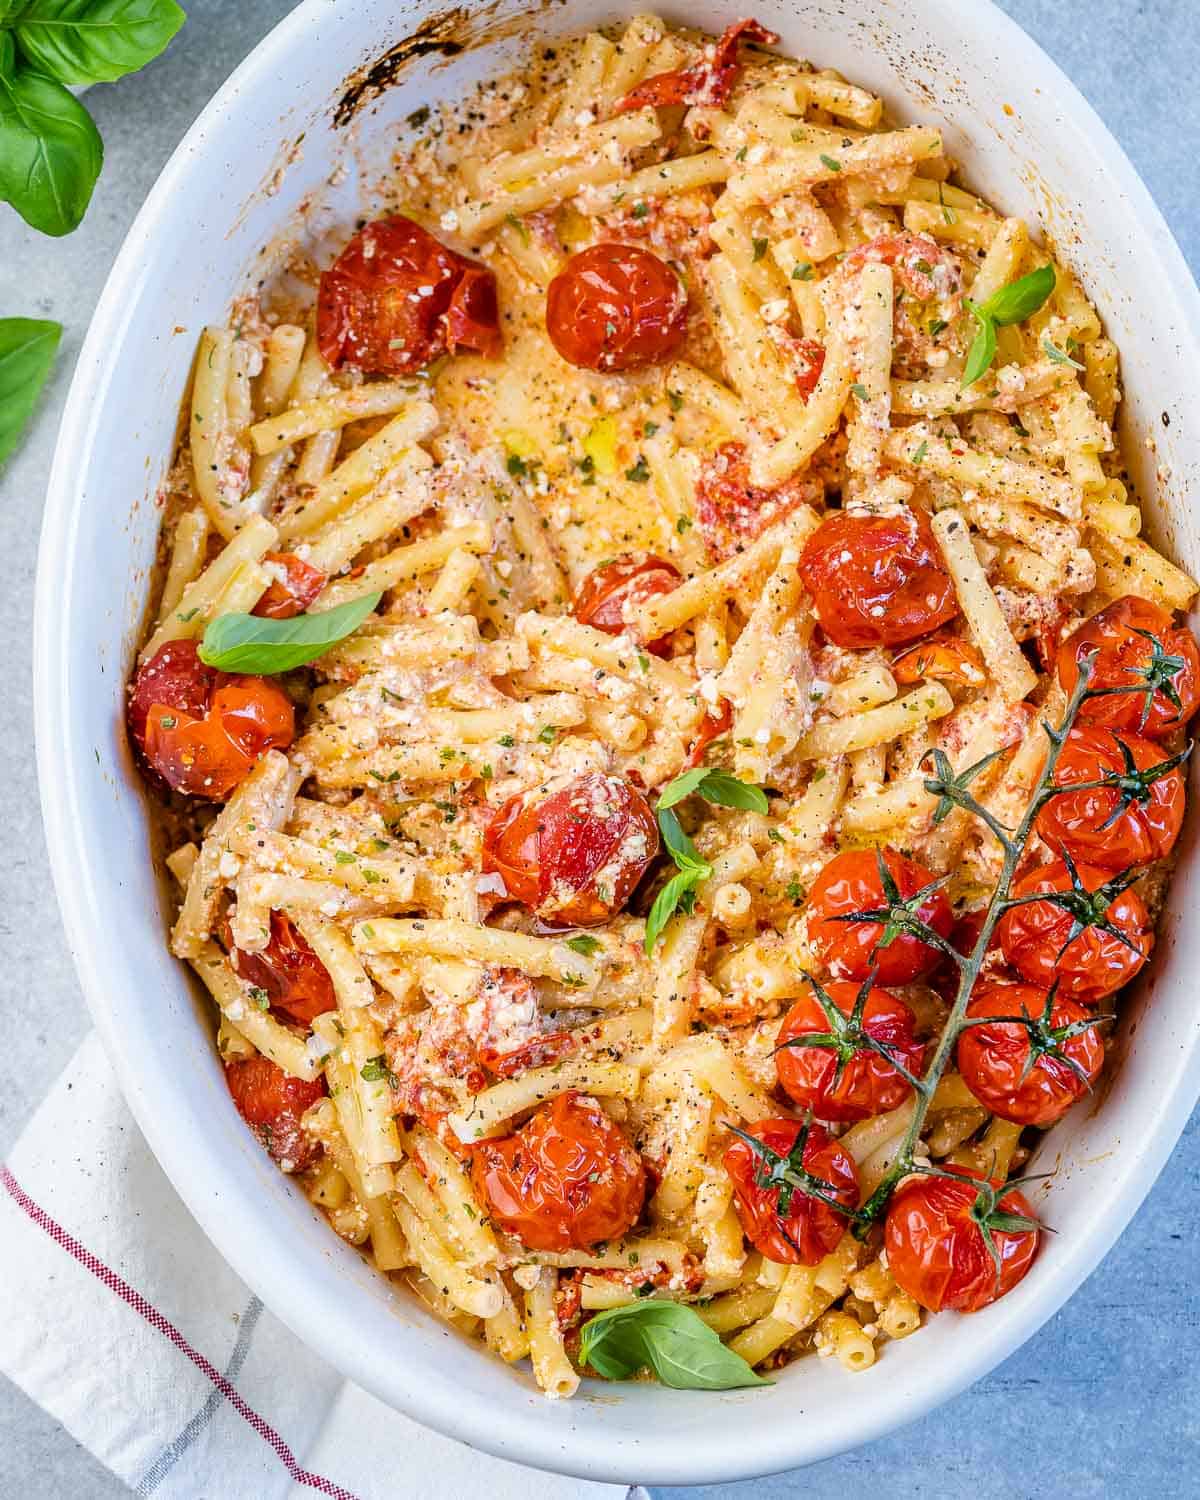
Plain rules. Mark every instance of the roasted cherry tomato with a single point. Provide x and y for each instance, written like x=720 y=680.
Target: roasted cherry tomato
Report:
x=783 y=1222
x=1099 y=959
x=951 y=660
x=574 y=856
x=712 y=726
x=995 y=1063
x=568 y=1179
x=730 y=510
x=271 y=1102
x=396 y=299
x=709 y=82
x=1113 y=826
x=295 y=586
x=293 y=977
x=927 y=271
x=877 y=580
x=608 y=595
x=946 y=974
x=1126 y=658
x=848 y=1080
x=201 y=731
x=936 y=1248
x=850 y=883
x=615 y=307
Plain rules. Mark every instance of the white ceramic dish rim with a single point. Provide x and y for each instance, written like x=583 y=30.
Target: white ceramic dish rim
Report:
x=227 y=1215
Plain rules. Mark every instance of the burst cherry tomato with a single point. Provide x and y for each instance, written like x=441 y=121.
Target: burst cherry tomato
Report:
x=868 y=1084
x=877 y=580
x=709 y=82
x=994 y=1059
x=609 y=594
x=1109 y=826
x=730 y=510
x=200 y=730
x=396 y=299
x=573 y=857
x=936 y=1248
x=1037 y=940
x=712 y=726
x=292 y=593
x=568 y=1179
x=808 y=1227
x=271 y=1102
x=294 y=978
x=1124 y=656
x=615 y=307
x=851 y=883
x=950 y=660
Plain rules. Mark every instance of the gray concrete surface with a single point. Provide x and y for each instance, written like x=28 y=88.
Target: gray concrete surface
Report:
x=1103 y=1401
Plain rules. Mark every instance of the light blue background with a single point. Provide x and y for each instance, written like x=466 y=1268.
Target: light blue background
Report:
x=1103 y=1402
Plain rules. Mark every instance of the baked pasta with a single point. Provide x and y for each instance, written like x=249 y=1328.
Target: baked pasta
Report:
x=610 y=604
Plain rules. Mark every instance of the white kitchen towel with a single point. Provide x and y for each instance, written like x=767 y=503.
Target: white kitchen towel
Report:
x=120 y=1319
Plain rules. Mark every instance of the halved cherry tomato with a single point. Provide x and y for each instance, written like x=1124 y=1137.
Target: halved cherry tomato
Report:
x=396 y=299
x=615 y=307
x=199 y=730
x=1110 y=826
x=850 y=1080
x=808 y=1227
x=877 y=580
x=994 y=1059
x=293 y=977
x=851 y=883
x=936 y=1248
x=1124 y=655
x=1037 y=941
x=568 y=1179
x=573 y=856
x=709 y=82
x=950 y=660
x=608 y=594
x=271 y=1102
x=730 y=510
x=294 y=592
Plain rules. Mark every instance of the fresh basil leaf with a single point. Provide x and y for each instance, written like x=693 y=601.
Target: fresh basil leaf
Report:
x=682 y=786
x=1020 y=299
x=27 y=349
x=679 y=846
x=670 y=1337
x=1052 y=351
x=50 y=149
x=95 y=41
x=248 y=643
x=671 y=898
x=714 y=786
x=983 y=350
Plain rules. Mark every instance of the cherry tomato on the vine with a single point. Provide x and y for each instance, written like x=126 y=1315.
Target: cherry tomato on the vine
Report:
x=785 y=1223
x=616 y=307
x=608 y=595
x=936 y=1247
x=574 y=855
x=849 y=1080
x=568 y=1179
x=994 y=1058
x=292 y=593
x=850 y=883
x=272 y=1102
x=293 y=978
x=1119 y=635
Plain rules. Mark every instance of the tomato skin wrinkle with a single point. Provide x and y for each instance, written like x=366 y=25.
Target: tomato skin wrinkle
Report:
x=396 y=299
x=272 y=1103
x=877 y=580
x=568 y=1179
x=616 y=307
x=291 y=595
x=609 y=593
x=937 y=1253
x=812 y=1227
x=573 y=856
x=1113 y=634
x=994 y=1058
x=850 y=882
x=294 y=979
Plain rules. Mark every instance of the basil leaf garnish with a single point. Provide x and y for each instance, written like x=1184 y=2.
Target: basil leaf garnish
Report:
x=94 y=41
x=27 y=349
x=983 y=349
x=681 y=1349
x=50 y=149
x=679 y=893
x=1013 y=303
x=714 y=786
x=247 y=643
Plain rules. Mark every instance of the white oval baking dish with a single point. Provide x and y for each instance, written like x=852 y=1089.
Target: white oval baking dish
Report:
x=1031 y=144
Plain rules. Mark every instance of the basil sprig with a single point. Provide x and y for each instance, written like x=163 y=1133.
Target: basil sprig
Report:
x=669 y=1337
x=27 y=349
x=50 y=149
x=679 y=893
x=249 y=643
x=1011 y=304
